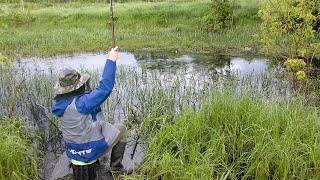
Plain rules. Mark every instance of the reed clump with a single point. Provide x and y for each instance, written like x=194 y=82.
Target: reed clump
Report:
x=237 y=137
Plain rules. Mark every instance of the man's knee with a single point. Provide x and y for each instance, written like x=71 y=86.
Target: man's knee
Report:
x=123 y=131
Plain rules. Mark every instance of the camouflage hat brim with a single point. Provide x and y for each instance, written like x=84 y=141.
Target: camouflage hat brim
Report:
x=63 y=90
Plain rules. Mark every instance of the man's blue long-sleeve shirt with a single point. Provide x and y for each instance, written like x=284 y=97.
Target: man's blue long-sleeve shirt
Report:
x=90 y=103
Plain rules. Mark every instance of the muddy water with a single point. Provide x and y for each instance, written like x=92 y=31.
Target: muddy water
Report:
x=171 y=64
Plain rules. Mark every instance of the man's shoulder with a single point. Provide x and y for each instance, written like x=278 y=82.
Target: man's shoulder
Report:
x=60 y=106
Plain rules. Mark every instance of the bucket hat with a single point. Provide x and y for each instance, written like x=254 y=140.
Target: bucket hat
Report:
x=70 y=80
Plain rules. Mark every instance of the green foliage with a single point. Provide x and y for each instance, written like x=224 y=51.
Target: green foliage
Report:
x=237 y=138
x=17 y=159
x=220 y=16
x=301 y=75
x=296 y=69
x=290 y=27
x=295 y=65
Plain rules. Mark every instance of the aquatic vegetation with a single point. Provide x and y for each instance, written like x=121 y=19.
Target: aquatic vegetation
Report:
x=143 y=96
x=237 y=137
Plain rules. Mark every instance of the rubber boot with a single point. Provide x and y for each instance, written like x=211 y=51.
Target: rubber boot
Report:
x=116 y=157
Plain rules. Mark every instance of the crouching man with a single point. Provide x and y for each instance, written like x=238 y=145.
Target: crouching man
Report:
x=86 y=134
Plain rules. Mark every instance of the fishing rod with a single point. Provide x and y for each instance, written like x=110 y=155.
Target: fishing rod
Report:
x=113 y=46
x=112 y=25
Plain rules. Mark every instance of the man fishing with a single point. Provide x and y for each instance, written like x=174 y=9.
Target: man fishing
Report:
x=86 y=134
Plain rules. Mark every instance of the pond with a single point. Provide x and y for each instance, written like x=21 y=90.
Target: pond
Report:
x=152 y=61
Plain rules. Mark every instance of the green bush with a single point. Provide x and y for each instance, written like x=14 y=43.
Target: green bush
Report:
x=237 y=138
x=291 y=28
x=16 y=154
x=220 y=16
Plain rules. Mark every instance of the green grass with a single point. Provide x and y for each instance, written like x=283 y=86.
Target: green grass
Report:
x=234 y=137
x=17 y=159
x=47 y=29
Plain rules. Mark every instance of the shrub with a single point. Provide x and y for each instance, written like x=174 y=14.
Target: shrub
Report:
x=291 y=28
x=220 y=16
x=296 y=71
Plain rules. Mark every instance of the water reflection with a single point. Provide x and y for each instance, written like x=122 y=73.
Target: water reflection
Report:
x=90 y=61
x=171 y=63
x=247 y=67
